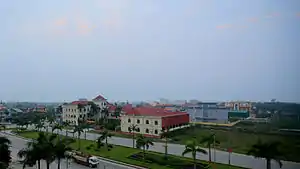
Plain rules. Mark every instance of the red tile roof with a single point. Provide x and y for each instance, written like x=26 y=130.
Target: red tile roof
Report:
x=99 y=97
x=79 y=102
x=2 y=108
x=150 y=111
x=111 y=107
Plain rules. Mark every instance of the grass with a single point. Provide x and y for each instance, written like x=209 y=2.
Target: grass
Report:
x=121 y=153
x=241 y=142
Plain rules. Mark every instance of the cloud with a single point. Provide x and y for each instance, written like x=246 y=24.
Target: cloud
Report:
x=224 y=26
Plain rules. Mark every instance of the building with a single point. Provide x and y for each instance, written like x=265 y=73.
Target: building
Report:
x=207 y=112
x=239 y=106
x=74 y=111
x=151 y=121
x=78 y=110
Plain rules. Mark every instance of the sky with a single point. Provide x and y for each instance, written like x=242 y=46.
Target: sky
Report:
x=210 y=50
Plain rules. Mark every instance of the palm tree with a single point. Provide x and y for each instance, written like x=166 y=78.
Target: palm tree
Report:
x=209 y=141
x=143 y=142
x=39 y=126
x=57 y=127
x=104 y=136
x=99 y=142
x=31 y=154
x=269 y=151
x=78 y=129
x=47 y=144
x=94 y=109
x=60 y=149
x=4 y=152
x=106 y=113
x=165 y=134
x=192 y=147
x=118 y=110
x=132 y=128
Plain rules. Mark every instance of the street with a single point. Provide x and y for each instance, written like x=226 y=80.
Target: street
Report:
x=18 y=143
x=176 y=149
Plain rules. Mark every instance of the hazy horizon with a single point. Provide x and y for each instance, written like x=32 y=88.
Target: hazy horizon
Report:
x=54 y=51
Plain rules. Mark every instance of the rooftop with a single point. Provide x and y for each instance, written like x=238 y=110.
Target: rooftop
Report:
x=150 y=111
x=99 y=98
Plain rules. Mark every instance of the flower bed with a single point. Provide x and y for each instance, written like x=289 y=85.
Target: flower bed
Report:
x=171 y=161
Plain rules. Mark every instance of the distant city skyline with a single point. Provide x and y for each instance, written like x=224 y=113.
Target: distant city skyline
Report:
x=209 y=50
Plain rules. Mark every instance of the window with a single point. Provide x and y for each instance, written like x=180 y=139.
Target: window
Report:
x=156 y=132
x=147 y=130
x=138 y=130
x=138 y=121
x=129 y=120
x=147 y=121
x=156 y=122
x=129 y=129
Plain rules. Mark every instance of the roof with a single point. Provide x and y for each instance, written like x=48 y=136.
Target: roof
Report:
x=99 y=97
x=150 y=111
x=79 y=102
x=2 y=108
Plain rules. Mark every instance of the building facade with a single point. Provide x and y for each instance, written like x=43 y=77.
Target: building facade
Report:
x=207 y=112
x=151 y=121
x=79 y=110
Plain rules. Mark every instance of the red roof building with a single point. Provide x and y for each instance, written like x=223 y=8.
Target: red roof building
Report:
x=151 y=121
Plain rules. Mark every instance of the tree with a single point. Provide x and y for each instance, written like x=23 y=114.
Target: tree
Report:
x=46 y=143
x=78 y=129
x=118 y=110
x=94 y=109
x=99 y=142
x=60 y=149
x=4 y=152
x=106 y=113
x=39 y=125
x=209 y=140
x=143 y=142
x=192 y=147
x=132 y=128
x=269 y=151
x=57 y=127
x=165 y=134
x=31 y=154
x=104 y=136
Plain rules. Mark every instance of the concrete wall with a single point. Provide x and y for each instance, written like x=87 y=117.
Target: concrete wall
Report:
x=154 y=126
x=71 y=113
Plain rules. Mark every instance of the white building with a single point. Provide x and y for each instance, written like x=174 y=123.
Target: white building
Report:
x=78 y=110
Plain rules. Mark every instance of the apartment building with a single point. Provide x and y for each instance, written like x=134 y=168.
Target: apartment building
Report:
x=78 y=110
x=151 y=121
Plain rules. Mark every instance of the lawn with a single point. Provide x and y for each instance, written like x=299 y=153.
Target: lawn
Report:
x=240 y=142
x=124 y=154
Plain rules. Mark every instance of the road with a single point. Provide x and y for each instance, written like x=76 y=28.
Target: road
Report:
x=177 y=149
x=18 y=143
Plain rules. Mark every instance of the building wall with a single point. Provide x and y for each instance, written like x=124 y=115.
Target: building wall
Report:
x=71 y=113
x=154 y=127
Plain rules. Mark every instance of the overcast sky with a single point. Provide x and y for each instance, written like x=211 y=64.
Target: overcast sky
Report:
x=149 y=49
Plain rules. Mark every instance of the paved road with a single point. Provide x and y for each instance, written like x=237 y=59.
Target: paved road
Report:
x=18 y=143
x=221 y=156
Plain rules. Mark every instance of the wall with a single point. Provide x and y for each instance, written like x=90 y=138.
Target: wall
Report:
x=152 y=127
x=71 y=113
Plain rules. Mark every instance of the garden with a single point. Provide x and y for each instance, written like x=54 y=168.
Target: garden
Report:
x=133 y=156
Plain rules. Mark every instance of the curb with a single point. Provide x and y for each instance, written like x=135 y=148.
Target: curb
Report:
x=102 y=158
